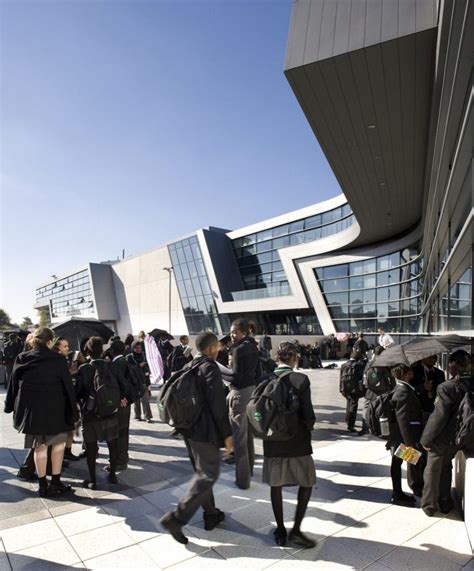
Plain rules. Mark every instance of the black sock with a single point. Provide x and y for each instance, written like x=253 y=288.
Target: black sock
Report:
x=396 y=475
x=56 y=479
x=91 y=455
x=43 y=482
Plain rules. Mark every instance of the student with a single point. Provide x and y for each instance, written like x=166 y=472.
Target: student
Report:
x=41 y=395
x=385 y=340
x=204 y=439
x=181 y=354
x=224 y=350
x=361 y=345
x=61 y=346
x=265 y=345
x=351 y=388
x=11 y=350
x=427 y=380
x=438 y=435
x=289 y=462
x=139 y=368
x=95 y=429
x=245 y=359
x=407 y=430
x=119 y=369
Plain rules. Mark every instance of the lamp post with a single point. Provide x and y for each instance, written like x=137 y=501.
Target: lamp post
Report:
x=169 y=270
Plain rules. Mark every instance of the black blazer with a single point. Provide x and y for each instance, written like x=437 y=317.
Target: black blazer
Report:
x=119 y=368
x=440 y=429
x=41 y=394
x=213 y=425
x=245 y=358
x=409 y=416
x=436 y=376
x=300 y=444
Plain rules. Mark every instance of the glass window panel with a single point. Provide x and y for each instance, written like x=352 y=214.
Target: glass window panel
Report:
x=382 y=310
x=296 y=239
x=310 y=235
x=369 y=295
x=370 y=266
x=264 y=268
x=313 y=221
x=339 y=312
x=264 y=246
x=192 y=269
x=251 y=239
x=280 y=231
x=394 y=308
x=182 y=290
x=189 y=288
x=357 y=282
x=327 y=217
x=196 y=249
x=356 y=297
x=188 y=253
x=296 y=226
x=181 y=256
x=370 y=281
x=342 y=326
x=356 y=268
x=278 y=276
x=338 y=271
x=383 y=279
x=337 y=298
x=206 y=288
x=249 y=250
x=264 y=235
x=197 y=286
x=275 y=256
x=200 y=268
x=393 y=292
x=282 y=242
x=370 y=310
x=336 y=284
x=277 y=266
x=382 y=294
x=185 y=272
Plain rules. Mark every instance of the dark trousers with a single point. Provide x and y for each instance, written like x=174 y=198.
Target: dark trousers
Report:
x=438 y=479
x=144 y=402
x=414 y=473
x=244 y=451
x=351 y=411
x=207 y=465
x=9 y=370
x=124 y=429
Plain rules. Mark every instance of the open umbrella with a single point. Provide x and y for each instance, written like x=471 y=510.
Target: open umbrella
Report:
x=418 y=349
x=77 y=328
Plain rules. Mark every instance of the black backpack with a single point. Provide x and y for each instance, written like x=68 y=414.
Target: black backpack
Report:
x=105 y=399
x=378 y=380
x=352 y=379
x=272 y=410
x=464 y=436
x=381 y=407
x=180 y=401
x=11 y=350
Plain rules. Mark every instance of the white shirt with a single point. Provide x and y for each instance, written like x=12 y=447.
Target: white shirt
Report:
x=385 y=340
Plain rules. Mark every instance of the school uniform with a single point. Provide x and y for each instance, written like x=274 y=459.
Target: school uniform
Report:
x=119 y=368
x=289 y=462
x=204 y=441
x=407 y=429
x=439 y=435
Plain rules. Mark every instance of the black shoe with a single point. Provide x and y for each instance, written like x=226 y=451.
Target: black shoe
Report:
x=403 y=500
x=65 y=463
x=112 y=478
x=171 y=524
x=280 y=536
x=352 y=429
x=89 y=485
x=446 y=508
x=27 y=475
x=58 y=489
x=177 y=435
x=363 y=431
x=242 y=487
x=211 y=520
x=229 y=459
x=82 y=454
x=149 y=421
x=43 y=491
x=300 y=539
x=430 y=512
x=117 y=469
x=417 y=493
x=70 y=456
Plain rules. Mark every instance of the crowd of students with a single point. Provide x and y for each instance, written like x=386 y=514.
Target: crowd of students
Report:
x=422 y=412
x=50 y=393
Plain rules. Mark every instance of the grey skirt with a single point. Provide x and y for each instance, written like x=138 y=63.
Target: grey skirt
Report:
x=298 y=471
x=35 y=440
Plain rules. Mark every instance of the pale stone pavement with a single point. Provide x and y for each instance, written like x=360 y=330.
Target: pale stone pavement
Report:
x=349 y=514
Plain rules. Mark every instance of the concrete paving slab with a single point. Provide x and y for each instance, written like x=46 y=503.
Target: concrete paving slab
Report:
x=165 y=551
x=99 y=541
x=127 y=558
x=50 y=554
x=30 y=535
x=85 y=520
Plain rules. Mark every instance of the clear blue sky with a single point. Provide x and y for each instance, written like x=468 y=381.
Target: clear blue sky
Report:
x=127 y=124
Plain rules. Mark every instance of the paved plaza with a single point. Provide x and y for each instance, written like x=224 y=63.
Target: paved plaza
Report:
x=349 y=514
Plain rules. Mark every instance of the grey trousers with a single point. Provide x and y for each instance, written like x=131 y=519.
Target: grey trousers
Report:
x=438 y=477
x=143 y=402
x=207 y=460
x=244 y=452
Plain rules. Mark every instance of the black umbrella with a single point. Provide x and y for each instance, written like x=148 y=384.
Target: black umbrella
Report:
x=161 y=334
x=76 y=329
x=418 y=349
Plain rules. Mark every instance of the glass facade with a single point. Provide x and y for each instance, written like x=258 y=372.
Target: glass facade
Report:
x=68 y=296
x=377 y=292
x=199 y=307
x=291 y=322
x=257 y=254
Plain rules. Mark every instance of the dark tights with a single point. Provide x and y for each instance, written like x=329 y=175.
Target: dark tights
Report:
x=396 y=475
x=304 y=495
x=91 y=455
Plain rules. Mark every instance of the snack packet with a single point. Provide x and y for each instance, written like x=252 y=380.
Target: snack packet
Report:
x=407 y=453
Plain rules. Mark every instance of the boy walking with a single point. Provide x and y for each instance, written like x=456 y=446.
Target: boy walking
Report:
x=210 y=433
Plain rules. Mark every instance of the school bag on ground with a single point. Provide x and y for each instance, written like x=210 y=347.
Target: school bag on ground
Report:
x=378 y=380
x=464 y=436
x=381 y=415
x=105 y=399
x=272 y=410
x=180 y=402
